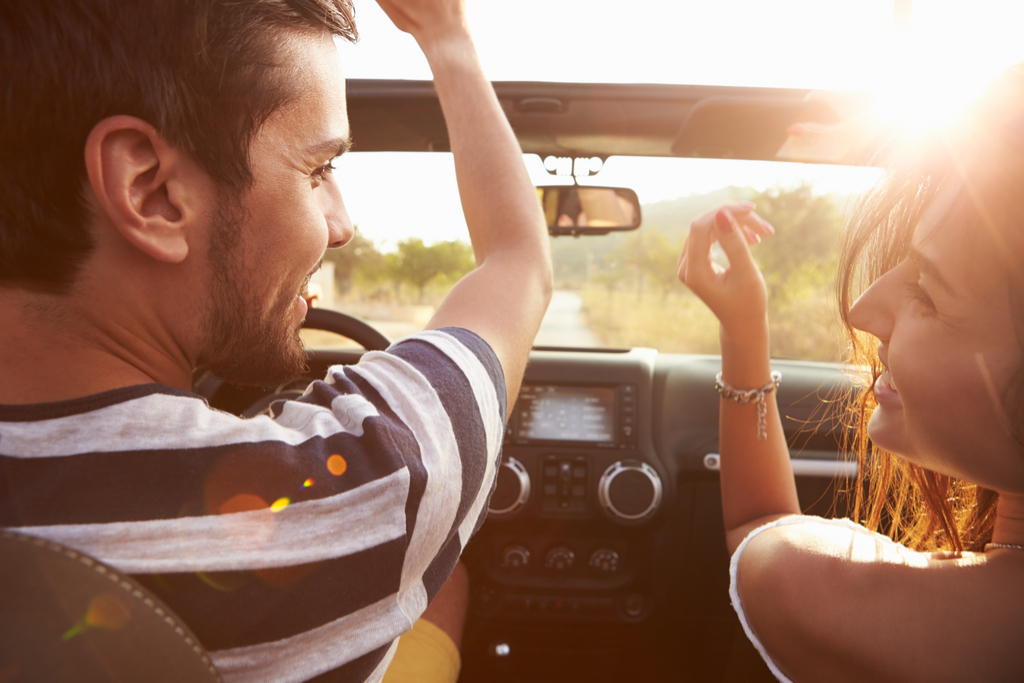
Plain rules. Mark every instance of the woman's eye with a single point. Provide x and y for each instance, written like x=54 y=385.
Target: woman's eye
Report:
x=918 y=294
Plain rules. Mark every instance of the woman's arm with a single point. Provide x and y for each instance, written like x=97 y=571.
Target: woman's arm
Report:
x=756 y=476
x=828 y=600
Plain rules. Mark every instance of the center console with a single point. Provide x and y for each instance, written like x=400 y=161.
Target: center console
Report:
x=579 y=491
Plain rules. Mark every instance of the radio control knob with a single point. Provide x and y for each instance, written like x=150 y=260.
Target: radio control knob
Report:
x=630 y=491
x=559 y=559
x=512 y=490
x=605 y=560
x=514 y=557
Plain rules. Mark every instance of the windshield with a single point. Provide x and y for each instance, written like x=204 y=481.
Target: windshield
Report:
x=611 y=291
x=620 y=290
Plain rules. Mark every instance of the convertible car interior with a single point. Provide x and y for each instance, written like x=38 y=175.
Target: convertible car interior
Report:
x=603 y=557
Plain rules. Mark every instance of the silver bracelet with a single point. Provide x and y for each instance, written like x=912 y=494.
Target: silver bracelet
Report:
x=749 y=396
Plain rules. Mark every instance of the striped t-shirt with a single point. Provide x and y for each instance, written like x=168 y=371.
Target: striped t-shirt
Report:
x=294 y=546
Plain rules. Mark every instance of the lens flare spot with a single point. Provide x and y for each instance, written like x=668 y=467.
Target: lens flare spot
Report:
x=105 y=611
x=336 y=465
x=243 y=502
x=280 y=504
x=306 y=484
x=252 y=529
x=222 y=581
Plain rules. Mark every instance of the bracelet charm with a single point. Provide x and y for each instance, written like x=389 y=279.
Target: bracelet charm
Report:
x=745 y=396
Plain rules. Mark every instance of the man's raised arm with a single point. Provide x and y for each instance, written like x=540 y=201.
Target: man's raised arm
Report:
x=504 y=299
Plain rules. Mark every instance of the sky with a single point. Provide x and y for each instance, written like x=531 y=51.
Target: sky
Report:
x=920 y=70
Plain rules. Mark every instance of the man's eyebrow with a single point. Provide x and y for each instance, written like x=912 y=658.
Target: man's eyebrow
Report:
x=334 y=147
x=927 y=267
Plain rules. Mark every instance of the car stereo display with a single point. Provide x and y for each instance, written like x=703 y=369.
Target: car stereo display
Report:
x=562 y=413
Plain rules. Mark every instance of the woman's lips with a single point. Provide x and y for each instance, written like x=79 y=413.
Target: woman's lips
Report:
x=885 y=392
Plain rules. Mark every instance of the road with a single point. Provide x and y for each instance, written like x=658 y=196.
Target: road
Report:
x=563 y=324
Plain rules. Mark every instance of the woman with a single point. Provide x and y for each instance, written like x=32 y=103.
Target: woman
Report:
x=941 y=245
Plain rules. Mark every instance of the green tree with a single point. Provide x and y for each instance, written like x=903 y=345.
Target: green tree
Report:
x=808 y=227
x=357 y=261
x=799 y=264
x=418 y=264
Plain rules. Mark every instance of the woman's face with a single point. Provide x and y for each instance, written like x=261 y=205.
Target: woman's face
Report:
x=948 y=346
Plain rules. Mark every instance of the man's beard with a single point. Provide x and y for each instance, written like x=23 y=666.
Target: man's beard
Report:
x=242 y=342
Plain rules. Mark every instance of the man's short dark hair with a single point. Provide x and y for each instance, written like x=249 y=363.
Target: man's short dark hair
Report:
x=199 y=71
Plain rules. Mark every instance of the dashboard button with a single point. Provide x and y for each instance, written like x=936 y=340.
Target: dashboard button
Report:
x=634 y=605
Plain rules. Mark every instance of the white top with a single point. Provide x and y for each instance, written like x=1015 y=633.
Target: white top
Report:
x=734 y=594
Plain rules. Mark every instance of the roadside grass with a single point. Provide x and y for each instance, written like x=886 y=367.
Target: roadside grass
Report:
x=672 y=322
x=804 y=323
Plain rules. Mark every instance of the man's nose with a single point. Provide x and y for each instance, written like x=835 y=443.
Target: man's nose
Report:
x=339 y=229
x=339 y=223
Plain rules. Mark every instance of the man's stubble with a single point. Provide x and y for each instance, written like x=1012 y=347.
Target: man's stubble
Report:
x=243 y=342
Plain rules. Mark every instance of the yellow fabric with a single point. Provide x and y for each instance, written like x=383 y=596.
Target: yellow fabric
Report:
x=425 y=655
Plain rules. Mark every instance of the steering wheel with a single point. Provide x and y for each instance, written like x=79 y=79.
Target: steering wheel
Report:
x=347 y=326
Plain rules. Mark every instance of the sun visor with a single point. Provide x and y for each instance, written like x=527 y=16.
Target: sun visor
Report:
x=746 y=128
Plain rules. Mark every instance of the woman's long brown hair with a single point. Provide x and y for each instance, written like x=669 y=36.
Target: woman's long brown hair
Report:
x=915 y=506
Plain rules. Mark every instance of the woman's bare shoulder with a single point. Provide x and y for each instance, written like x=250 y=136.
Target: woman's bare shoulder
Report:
x=834 y=601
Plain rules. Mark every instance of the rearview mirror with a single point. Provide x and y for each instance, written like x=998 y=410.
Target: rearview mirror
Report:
x=583 y=210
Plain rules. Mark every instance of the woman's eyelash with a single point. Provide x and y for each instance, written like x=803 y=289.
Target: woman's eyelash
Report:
x=921 y=296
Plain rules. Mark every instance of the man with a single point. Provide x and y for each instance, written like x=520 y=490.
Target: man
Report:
x=166 y=194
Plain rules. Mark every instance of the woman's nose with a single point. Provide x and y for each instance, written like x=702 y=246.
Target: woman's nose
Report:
x=872 y=312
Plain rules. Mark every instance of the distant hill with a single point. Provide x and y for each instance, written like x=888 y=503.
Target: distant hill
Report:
x=673 y=216
x=577 y=258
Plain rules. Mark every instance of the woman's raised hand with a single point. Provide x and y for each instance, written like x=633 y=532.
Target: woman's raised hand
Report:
x=736 y=294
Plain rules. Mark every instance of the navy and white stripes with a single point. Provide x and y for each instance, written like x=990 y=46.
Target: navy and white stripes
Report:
x=294 y=545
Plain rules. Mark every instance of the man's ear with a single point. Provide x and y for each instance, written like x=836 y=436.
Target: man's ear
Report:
x=143 y=184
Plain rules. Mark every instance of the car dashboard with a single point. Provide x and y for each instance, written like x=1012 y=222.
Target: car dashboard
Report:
x=604 y=556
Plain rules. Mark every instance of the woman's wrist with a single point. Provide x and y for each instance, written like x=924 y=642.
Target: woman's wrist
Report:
x=745 y=355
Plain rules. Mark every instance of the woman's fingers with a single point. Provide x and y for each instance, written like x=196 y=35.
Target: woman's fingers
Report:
x=736 y=239
x=736 y=295
x=695 y=265
x=734 y=227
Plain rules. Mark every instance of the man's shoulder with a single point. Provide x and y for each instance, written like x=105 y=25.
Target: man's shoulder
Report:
x=452 y=350
x=457 y=343
x=456 y=363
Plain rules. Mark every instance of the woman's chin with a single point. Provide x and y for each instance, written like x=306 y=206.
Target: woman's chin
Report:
x=886 y=430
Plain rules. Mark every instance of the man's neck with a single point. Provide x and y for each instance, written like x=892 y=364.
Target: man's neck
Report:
x=55 y=348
